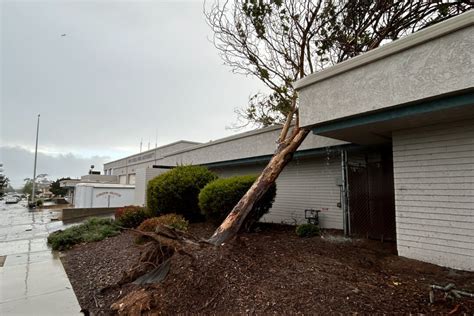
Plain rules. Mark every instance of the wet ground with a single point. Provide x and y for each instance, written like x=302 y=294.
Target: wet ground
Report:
x=32 y=278
x=269 y=272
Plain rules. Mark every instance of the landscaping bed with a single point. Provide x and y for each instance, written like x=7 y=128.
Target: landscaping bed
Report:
x=270 y=271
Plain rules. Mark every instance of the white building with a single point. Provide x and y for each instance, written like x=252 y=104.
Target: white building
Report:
x=103 y=195
x=391 y=155
x=315 y=165
x=416 y=95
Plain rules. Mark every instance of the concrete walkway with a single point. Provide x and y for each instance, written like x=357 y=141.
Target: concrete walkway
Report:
x=32 y=279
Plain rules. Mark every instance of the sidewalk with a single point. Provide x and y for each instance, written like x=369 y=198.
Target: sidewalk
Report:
x=32 y=279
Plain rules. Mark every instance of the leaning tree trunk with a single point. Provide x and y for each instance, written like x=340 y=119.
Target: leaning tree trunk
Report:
x=238 y=216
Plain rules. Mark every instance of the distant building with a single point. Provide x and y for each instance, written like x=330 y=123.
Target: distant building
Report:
x=70 y=184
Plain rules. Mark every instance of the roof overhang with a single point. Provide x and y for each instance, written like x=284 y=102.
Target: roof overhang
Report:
x=377 y=127
x=424 y=78
x=300 y=154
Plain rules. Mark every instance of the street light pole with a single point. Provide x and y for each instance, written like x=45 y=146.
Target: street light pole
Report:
x=36 y=156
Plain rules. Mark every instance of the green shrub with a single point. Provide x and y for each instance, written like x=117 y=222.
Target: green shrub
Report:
x=307 y=230
x=219 y=197
x=173 y=220
x=94 y=229
x=131 y=216
x=39 y=203
x=177 y=190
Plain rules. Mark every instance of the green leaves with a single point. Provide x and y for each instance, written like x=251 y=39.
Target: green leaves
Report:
x=94 y=229
x=219 y=197
x=264 y=74
x=177 y=190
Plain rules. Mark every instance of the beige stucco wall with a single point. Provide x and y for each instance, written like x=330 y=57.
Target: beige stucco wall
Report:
x=245 y=145
x=131 y=164
x=441 y=65
x=256 y=144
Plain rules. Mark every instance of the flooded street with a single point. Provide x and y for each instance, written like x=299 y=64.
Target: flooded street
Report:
x=32 y=278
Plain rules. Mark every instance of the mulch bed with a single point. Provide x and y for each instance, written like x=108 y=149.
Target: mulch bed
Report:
x=270 y=271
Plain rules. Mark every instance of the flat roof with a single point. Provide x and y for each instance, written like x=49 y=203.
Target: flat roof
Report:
x=106 y=185
x=207 y=144
x=227 y=139
x=154 y=149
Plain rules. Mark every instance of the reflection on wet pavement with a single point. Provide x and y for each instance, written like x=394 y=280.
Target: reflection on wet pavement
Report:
x=32 y=279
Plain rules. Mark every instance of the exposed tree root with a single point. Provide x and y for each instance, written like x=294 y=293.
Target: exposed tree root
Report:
x=135 y=303
x=154 y=265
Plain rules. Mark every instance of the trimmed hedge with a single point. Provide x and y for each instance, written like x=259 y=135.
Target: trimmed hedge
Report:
x=219 y=197
x=131 y=216
x=177 y=190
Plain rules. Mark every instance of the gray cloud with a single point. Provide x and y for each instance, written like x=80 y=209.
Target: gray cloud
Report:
x=18 y=164
x=124 y=71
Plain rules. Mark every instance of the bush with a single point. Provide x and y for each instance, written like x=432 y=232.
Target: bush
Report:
x=307 y=230
x=177 y=190
x=131 y=216
x=94 y=229
x=173 y=220
x=219 y=197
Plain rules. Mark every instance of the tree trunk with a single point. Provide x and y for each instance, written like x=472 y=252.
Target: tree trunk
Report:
x=237 y=217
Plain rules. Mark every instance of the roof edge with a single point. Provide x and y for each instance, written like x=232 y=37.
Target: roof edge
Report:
x=435 y=31
x=156 y=148
x=210 y=143
x=228 y=138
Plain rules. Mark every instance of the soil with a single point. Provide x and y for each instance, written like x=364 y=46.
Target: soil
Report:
x=270 y=271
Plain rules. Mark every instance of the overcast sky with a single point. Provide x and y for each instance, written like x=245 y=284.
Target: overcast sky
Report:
x=124 y=70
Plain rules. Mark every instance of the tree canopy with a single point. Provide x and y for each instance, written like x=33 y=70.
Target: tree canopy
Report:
x=56 y=188
x=280 y=41
x=28 y=187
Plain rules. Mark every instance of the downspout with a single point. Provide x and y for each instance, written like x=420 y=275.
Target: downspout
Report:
x=344 y=199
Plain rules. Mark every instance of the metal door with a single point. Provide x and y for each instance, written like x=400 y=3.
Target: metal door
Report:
x=371 y=197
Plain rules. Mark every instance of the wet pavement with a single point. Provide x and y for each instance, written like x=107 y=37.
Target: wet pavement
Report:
x=32 y=279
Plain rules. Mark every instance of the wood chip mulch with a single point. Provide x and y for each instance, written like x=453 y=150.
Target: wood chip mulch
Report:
x=270 y=271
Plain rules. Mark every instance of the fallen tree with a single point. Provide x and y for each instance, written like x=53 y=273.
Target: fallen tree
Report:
x=280 y=42
x=239 y=215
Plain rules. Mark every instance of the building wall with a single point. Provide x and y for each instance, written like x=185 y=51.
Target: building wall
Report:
x=87 y=196
x=145 y=159
x=244 y=145
x=117 y=197
x=426 y=69
x=303 y=184
x=143 y=176
x=434 y=193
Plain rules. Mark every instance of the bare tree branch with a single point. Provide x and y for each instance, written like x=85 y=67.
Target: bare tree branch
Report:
x=282 y=41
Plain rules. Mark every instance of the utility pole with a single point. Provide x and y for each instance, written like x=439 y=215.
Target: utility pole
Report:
x=36 y=156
